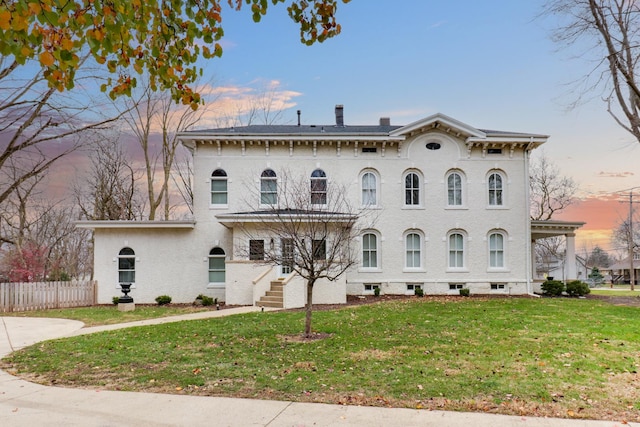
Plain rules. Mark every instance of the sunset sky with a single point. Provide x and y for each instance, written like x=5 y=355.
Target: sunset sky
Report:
x=490 y=64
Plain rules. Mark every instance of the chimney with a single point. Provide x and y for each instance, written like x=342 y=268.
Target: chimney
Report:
x=340 y=115
x=385 y=121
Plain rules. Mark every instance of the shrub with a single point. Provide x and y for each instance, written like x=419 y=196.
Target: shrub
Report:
x=465 y=292
x=207 y=300
x=116 y=300
x=577 y=288
x=163 y=299
x=376 y=291
x=553 y=288
x=419 y=292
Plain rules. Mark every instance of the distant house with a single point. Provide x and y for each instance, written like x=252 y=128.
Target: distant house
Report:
x=620 y=270
x=451 y=202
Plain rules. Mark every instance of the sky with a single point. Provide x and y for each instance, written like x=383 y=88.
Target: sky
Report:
x=490 y=64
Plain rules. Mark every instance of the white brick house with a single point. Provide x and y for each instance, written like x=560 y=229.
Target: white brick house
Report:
x=451 y=202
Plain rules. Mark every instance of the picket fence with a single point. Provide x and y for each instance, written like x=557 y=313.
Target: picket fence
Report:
x=46 y=295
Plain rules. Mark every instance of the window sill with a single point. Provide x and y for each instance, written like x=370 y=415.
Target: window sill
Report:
x=414 y=270
x=218 y=206
x=216 y=286
x=458 y=208
x=498 y=270
x=369 y=270
x=413 y=207
x=457 y=270
x=498 y=207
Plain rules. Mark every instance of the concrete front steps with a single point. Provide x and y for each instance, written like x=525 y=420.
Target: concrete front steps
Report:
x=274 y=298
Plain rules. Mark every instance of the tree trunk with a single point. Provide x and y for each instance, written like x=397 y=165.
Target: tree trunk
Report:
x=307 y=324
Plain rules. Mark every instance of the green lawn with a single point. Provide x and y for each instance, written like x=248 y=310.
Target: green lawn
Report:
x=617 y=292
x=547 y=357
x=109 y=314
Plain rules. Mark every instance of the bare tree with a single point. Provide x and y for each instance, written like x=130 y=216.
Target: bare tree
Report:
x=182 y=176
x=42 y=242
x=32 y=116
x=610 y=28
x=550 y=191
x=155 y=120
x=314 y=242
x=264 y=105
x=108 y=192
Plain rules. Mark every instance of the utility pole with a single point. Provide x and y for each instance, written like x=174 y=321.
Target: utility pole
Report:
x=631 y=244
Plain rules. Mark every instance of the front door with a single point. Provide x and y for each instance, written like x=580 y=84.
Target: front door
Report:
x=286 y=248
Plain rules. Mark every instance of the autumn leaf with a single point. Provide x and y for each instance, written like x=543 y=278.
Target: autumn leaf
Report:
x=5 y=20
x=47 y=59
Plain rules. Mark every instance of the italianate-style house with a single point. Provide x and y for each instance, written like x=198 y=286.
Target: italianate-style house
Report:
x=450 y=204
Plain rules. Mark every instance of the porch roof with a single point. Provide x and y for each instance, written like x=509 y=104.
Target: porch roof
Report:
x=278 y=215
x=541 y=229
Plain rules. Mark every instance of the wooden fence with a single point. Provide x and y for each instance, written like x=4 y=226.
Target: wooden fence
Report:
x=47 y=295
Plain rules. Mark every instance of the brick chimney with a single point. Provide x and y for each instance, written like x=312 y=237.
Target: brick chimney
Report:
x=340 y=115
x=385 y=121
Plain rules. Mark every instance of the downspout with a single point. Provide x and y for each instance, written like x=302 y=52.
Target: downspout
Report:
x=527 y=216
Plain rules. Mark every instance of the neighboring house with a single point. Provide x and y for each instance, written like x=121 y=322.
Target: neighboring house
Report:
x=451 y=203
x=620 y=270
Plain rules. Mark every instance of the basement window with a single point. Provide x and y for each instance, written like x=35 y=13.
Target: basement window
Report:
x=497 y=286
x=454 y=286
x=369 y=149
x=371 y=287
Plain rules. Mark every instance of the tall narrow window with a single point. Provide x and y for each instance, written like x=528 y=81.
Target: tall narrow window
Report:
x=369 y=192
x=256 y=250
x=454 y=189
x=318 y=187
x=370 y=250
x=413 y=255
x=496 y=250
x=219 y=187
x=319 y=249
x=127 y=266
x=495 y=189
x=216 y=266
x=286 y=247
x=456 y=250
x=268 y=187
x=412 y=189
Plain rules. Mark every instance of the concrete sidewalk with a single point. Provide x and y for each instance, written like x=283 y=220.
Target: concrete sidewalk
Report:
x=26 y=404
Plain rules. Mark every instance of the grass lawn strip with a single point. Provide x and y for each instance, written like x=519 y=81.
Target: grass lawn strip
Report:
x=537 y=357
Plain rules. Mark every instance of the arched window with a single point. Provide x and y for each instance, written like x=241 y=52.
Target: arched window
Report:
x=268 y=187
x=217 y=266
x=495 y=189
x=496 y=250
x=126 y=266
x=454 y=189
x=413 y=250
x=369 y=189
x=412 y=189
x=219 y=187
x=456 y=250
x=369 y=250
x=318 y=187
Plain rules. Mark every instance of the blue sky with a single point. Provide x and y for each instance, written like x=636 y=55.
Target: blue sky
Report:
x=490 y=64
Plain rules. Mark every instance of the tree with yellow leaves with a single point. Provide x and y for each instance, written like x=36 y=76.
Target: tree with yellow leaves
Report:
x=164 y=38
